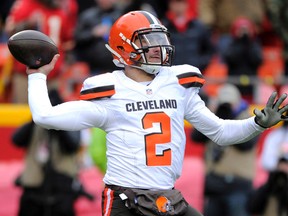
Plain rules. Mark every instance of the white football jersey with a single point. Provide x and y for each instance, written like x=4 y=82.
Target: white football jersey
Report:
x=144 y=123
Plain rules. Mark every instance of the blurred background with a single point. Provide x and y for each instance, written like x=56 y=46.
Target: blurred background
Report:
x=237 y=42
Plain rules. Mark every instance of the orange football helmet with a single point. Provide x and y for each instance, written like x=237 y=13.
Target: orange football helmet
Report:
x=145 y=27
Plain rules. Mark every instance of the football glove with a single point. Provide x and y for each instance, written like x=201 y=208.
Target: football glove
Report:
x=272 y=113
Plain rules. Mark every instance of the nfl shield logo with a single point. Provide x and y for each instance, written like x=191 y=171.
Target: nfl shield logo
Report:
x=148 y=91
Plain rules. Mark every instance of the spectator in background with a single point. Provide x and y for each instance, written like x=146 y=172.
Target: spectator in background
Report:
x=132 y=5
x=6 y=60
x=243 y=55
x=3 y=35
x=84 y=5
x=49 y=180
x=91 y=35
x=49 y=17
x=219 y=16
x=275 y=141
x=4 y=10
x=271 y=198
x=229 y=170
x=278 y=16
x=189 y=35
x=160 y=7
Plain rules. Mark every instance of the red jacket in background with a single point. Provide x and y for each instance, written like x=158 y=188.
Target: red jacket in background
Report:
x=56 y=23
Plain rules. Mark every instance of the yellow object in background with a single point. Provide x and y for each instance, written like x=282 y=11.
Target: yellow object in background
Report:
x=14 y=115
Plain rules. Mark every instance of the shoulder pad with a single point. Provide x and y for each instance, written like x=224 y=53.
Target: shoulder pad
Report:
x=188 y=76
x=98 y=87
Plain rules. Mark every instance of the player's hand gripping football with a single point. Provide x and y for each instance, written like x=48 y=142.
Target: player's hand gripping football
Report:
x=45 y=69
x=272 y=113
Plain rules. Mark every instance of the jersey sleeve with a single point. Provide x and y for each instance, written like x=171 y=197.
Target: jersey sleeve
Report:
x=70 y=116
x=98 y=87
x=223 y=132
x=189 y=76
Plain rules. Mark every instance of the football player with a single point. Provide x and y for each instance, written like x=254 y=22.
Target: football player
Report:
x=142 y=107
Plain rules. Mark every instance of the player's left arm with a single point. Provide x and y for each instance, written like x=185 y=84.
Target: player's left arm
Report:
x=222 y=132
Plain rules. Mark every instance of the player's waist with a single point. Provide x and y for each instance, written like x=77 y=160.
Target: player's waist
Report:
x=121 y=188
x=140 y=179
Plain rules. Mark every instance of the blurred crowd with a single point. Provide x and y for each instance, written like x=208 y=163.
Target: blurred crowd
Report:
x=241 y=43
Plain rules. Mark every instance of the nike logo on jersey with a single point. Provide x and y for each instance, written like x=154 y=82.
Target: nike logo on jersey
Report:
x=151 y=105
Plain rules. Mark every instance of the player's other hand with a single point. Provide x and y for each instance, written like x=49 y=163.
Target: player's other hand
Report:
x=45 y=69
x=272 y=113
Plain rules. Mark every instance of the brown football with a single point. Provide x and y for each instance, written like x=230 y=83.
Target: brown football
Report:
x=32 y=48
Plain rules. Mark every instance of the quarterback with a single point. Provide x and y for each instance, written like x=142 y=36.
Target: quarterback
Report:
x=142 y=107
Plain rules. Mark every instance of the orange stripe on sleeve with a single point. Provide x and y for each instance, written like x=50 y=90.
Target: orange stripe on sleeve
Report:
x=191 y=80
x=96 y=95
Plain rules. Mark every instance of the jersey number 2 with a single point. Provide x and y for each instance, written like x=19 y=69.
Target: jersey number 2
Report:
x=161 y=137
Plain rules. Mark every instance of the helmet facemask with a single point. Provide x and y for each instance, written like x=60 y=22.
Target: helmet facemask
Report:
x=132 y=37
x=151 y=38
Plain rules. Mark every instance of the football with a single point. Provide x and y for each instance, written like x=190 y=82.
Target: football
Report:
x=32 y=48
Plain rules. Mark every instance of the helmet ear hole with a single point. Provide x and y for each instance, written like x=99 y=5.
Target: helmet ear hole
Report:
x=122 y=51
x=121 y=48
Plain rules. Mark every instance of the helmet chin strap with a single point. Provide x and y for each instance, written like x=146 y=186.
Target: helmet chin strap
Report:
x=151 y=69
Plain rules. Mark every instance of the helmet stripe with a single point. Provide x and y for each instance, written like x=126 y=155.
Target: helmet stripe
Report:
x=152 y=19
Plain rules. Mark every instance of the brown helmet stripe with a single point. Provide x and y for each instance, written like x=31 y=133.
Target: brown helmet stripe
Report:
x=151 y=19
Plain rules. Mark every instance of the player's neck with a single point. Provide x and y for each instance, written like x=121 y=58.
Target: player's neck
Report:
x=138 y=75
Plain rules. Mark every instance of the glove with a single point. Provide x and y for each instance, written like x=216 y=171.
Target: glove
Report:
x=271 y=114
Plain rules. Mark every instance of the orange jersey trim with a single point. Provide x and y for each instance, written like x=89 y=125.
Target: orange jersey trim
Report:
x=97 y=92
x=97 y=95
x=191 y=79
x=183 y=81
x=108 y=201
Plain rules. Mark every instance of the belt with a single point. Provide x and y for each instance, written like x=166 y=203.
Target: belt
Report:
x=120 y=188
x=116 y=187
